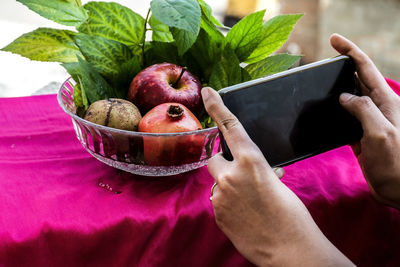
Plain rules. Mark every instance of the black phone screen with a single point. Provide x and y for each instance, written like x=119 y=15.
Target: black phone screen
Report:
x=297 y=115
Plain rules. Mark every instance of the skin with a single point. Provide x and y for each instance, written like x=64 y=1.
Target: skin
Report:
x=378 y=110
x=278 y=230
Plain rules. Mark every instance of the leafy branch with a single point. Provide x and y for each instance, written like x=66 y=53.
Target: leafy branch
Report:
x=109 y=45
x=144 y=35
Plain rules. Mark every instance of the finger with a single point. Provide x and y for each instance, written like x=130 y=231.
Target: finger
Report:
x=279 y=172
x=388 y=108
x=364 y=89
x=234 y=134
x=216 y=164
x=371 y=118
x=366 y=69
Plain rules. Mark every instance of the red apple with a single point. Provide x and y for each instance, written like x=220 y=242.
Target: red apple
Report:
x=171 y=150
x=162 y=83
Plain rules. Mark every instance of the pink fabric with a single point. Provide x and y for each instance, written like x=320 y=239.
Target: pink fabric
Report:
x=54 y=213
x=394 y=84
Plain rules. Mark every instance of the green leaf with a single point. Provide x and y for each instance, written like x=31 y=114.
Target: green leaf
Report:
x=115 y=22
x=66 y=12
x=84 y=98
x=161 y=31
x=105 y=55
x=183 y=39
x=181 y=14
x=206 y=51
x=72 y=69
x=227 y=71
x=162 y=52
x=80 y=100
x=45 y=44
x=207 y=25
x=244 y=36
x=245 y=75
x=208 y=47
x=118 y=84
x=271 y=65
x=274 y=34
x=76 y=2
x=122 y=80
x=90 y=80
x=207 y=11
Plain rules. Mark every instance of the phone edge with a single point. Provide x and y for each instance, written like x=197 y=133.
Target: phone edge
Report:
x=271 y=77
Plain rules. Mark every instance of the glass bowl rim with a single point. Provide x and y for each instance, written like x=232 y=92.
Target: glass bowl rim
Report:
x=119 y=131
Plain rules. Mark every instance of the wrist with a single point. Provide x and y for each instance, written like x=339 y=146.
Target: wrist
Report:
x=321 y=253
x=304 y=250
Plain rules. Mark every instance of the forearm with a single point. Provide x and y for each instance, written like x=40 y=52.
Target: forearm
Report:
x=303 y=245
x=317 y=252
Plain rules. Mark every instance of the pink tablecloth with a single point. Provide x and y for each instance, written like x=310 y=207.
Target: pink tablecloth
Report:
x=54 y=213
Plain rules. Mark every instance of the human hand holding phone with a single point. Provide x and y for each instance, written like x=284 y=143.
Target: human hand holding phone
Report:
x=378 y=110
x=262 y=226
x=262 y=217
x=296 y=114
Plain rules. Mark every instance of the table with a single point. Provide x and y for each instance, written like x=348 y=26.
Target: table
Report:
x=57 y=208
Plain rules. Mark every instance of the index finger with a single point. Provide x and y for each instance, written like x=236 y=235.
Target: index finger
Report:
x=235 y=135
x=366 y=69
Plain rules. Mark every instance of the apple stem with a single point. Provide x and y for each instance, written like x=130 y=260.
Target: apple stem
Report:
x=175 y=84
x=175 y=112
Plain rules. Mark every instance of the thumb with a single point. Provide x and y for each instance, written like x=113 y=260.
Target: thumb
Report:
x=365 y=110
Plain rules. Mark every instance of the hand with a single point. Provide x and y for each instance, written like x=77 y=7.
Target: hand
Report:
x=265 y=221
x=378 y=110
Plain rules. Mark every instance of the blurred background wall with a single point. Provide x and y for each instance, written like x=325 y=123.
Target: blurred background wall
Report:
x=371 y=24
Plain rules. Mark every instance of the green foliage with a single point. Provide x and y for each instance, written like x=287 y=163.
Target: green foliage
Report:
x=66 y=12
x=206 y=51
x=80 y=100
x=207 y=13
x=162 y=52
x=183 y=39
x=161 y=32
x=109 y=46
x=181 y=14
x=76 y=2
x=88 y=77
x=105 y=55
x=116 y=22
x=274 y=34
x=45 y=44
x=123 y=78
x=245 y=35
x=226 y=71
x=271 y=65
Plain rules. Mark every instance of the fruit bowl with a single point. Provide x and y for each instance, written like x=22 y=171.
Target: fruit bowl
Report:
x=125 y=150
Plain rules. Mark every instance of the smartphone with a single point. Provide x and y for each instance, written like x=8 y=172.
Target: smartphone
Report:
x=296 y=114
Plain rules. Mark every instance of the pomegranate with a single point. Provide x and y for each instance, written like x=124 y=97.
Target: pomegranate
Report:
x=171 y=150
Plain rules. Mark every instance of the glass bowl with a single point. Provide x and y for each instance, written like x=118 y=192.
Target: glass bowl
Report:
x=127 y=150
